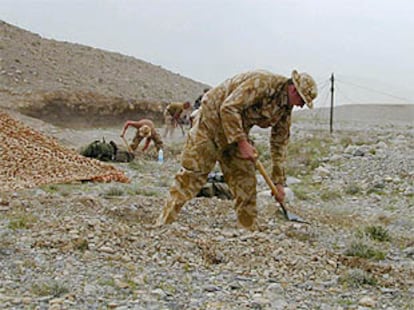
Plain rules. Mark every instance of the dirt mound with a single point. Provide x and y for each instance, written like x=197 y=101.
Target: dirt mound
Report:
x=30 y=159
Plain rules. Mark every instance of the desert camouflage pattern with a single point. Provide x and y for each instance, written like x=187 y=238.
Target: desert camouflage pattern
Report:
x=227 y=114
x=30 y=159
x=174 y=108
x=154 y=136
x=306 y=87
x=145 y=131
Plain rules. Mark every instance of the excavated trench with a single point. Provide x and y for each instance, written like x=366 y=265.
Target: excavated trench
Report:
x=88 y=110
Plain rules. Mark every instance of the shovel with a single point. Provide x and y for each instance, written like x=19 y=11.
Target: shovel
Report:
x=127 y=145
x=288 y=215
x=181 y=126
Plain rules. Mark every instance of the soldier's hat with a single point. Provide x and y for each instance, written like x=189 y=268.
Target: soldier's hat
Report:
x=144 y=131
x=306 y=87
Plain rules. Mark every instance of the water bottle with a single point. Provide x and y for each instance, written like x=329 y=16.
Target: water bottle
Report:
x=160 y=156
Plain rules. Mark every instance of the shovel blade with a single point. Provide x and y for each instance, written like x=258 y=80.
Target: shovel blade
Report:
x=295 y=218
x=291 y=216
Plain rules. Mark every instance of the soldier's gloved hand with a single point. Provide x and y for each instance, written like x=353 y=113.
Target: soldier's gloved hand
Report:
x=247 y=151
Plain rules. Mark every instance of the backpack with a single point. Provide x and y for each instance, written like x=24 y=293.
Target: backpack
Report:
x=104 y=151
x=215 y=187
x=100 y=150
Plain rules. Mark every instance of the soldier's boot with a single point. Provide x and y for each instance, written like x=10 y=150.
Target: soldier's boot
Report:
x=246 y=220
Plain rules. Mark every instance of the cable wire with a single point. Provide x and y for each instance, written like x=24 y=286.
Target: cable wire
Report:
x=374 y=90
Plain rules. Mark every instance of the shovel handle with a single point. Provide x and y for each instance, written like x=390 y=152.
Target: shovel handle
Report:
x=269 y=182
x=127 y=145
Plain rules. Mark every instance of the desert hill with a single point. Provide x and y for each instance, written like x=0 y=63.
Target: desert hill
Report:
x=45 y=78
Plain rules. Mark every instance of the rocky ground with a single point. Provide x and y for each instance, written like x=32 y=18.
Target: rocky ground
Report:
x=93 y=245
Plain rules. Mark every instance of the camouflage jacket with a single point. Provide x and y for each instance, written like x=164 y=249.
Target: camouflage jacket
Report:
x=175 y=108
x=258 y=98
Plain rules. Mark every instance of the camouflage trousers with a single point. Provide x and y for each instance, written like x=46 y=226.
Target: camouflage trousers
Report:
x=198 y=159
x=170 y=125
x=154 y=137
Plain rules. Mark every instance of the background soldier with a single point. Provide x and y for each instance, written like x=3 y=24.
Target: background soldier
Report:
x=175 y=114
x=197 y=103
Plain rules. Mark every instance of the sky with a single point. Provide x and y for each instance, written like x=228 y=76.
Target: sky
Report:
x=367 y=45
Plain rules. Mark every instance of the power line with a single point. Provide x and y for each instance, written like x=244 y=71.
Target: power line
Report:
x=375 y=91
x=320 y=88
x=339 y=90
x=323 y=96
x=322 y=81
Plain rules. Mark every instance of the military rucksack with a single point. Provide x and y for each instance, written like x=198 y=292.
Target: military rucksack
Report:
x=215 y=187
x=104 y=151
x=124 y=156
x=100 y=150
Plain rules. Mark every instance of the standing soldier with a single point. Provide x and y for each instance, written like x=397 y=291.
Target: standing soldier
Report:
x=197 y=103
x=174 y=115
x=145 y=130
x=196 y=107
x=220 y=133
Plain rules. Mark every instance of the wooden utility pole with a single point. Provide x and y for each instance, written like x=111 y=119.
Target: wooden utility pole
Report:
x=332 y=104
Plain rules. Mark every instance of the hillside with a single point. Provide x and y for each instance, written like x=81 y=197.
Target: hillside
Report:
x=38 y=74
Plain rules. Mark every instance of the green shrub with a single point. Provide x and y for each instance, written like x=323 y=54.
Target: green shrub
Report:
x=52 y=288
x=378 y=233
x=353 y=189
x=360 y=248
x=22 y=221
x=330 y=194
x=357 y=278
x=114 y=191
x=305 y=154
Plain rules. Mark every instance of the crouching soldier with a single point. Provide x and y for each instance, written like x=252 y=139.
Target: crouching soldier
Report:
x=145 y=130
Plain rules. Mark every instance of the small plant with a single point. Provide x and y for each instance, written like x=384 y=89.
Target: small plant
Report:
x=114 y=191
x=145 y=192
x=300 y=235
x=305 y=154
x=22 y=221
x=107 y=282
x=328 y=195
x=137 y=165
x=345 y=141
x=81 y=245
x=377 y=189
x=52 y=288
x=353 y=189
x=361 y=248
x=51 y=188
x=357 y=278
x=378 y=233
x=301 y=193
